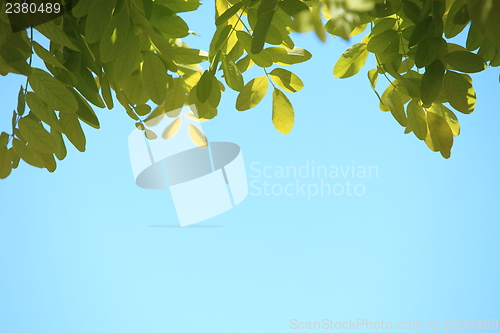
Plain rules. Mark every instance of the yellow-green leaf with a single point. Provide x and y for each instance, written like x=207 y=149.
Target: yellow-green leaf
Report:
x=197 y=136
x=176 y=95
x=283 y=115
x=252 y=93
x=85 y=112
x=61 y=147
x=150 y=135
x=36 y=136
x=265 y=14
x=52 y=92
x=98 y=17
x=142 y=109
x=440 y=136
x=42 y=111
x=459 y=91
x=232 y=74
x=172 y=128
x=5 y=162
x=262 y=59
x=155 y=117
x=351 y=61
x=106 y=92
x=447 y=115
x=73 y=130
x=466 y=62
x=114 y=36
x=432 y=82
x=282 y=56
x=28 y=154
x=416 y=119
x=155 y=78
x=396 y=106
x=228 y=13
x=286 y=80
x=56 y=34
x=127 y=60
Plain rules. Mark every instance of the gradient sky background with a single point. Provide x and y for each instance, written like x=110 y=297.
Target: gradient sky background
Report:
x=86 y=250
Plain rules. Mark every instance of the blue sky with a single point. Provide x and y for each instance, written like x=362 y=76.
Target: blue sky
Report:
x=86 y=250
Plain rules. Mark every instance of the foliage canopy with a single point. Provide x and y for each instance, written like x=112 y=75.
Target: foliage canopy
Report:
x=134 y=49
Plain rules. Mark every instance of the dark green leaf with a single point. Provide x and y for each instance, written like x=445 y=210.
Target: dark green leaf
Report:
x=432 y=82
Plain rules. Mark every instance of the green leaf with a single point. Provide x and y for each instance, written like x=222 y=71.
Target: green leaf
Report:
x=61 y=147
x=142 y=109
x=73 y=130
x=262 y=59
x=283 y=115
x=114 y=36
x=228 y=13
x=421 y=31
x=5 y=162
x=4 y=139
x=21 y=102
x=134 y=89
x=28 y=154
x=432 y=82
x=286 y=80
x=416 y=119
x=379 y=43
x=168 y=23
x=106 y=91
x=459 y=91
x=265 y=14
x=51 y=91
x=176 y=95
x=474 y=38
x=98 y=17
x=46 y=56
x=36 y=136
x=156 y=116
x=232 y=74
x=451 y=29
x=155 y=78
x=428 y=50
x=201 y=110
x=383 y=25
x=396 y=106
x=440 y=136
x=447 y=115
x=293 y=7
x=14 y=158
x=179 y=6
x=351 y=61
x=42 y=111
x=56 y=35
x=49 y=162
x=85 y=112
x=127 y=60
x=188 y=56
x=204 y=86
x=466 y=62
x=252 y=93
x=282 y=56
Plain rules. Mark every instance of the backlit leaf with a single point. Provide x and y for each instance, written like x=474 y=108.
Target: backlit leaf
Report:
x=42 y=110
x=232 y=74
x=252 y=93
x=28 y=154
x=283 y=56
x=228 y=13
x=286 y=80
x=114 y=36
x=440 y=136
x=155 y=78
x=459 y=91
x=396 y=106
x=447 y=115
x=98 y=17
x=73 y=130
x=197 y=136
x=283 y=114
x=416 y=119
x=466 y=62
x=432 y=82
x=262 y=59
x=52 y=92
x=5 y=162
x=351 y=61
x=56 y=34
x=176 y=95
x=127 y=60
x=172 y=128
